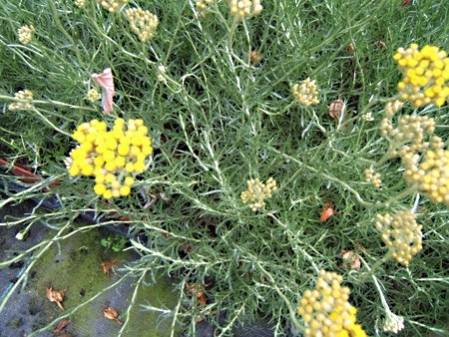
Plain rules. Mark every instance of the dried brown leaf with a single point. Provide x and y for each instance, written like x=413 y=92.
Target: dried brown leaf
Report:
x=336 y=108
x=255 y=57
x=111 y=314
x=61 y=326
x=197 y=290
x=56 y=296
x=107 y=266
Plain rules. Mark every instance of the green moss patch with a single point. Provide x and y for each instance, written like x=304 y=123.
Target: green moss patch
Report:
x=74 y=265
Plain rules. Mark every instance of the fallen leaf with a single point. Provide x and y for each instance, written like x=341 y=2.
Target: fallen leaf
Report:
x=197 y=290
x=56 y=297
x=201 y=298
x=336 y=108
x=106 y=81
x=406 y=2
x=107 y=266
x=111 y=314
x=327 y=211
x=60 y=327
x=255 y=57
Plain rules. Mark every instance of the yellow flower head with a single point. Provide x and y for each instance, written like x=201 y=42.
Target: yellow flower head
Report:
x=425 y=75
x=327 y=311
x=306 y=92
x=392 y=107
x=410 y=136
x=431 y=176
x=241 y=9
x=25 y=33
x=113 y=156
x=112 y=5
x=143 y=23
x=93 y=95
x=26 y=96
x=401 y=234
x=257 y=192
x=373 y=177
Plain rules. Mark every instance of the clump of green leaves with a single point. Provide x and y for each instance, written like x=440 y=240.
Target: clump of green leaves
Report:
x=115 y=243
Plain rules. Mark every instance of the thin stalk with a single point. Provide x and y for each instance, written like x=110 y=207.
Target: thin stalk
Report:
x=131 y=304
x=46 y=102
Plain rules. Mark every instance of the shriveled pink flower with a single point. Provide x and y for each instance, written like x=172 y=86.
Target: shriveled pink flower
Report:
x=106 y=81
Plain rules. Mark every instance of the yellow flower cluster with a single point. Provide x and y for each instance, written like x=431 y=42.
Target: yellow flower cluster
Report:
x=401 y=234
x=412 y=138
x=386 y=125
x=425 y=75
x=80 y=3
x=410 y=134
x=326 y=309
x=306 y=92
x=392 y=107
x=112 y=157
x=203 y=5
x=257 y=192
x=26 y=96
x=431 y=176
x=143 y=23
x=25 y=33
x=93 y=95
x=373 y=177
x=241 y=9
x=368 y=117
x=112 y=5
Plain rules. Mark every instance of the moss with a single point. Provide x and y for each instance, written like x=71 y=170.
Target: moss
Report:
x=152 y=324
x=74 y=266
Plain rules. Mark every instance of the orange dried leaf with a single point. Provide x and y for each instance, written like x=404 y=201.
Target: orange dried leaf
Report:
x=107 y=266
x=111 y=314
x=201 y=298
x=197 y=290
x=327 y=212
